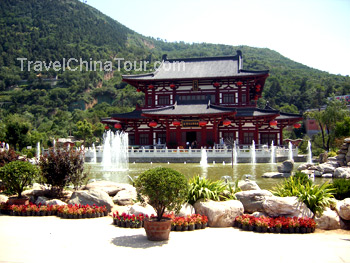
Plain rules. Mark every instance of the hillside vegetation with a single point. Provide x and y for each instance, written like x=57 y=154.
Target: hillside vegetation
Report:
x=51 y=103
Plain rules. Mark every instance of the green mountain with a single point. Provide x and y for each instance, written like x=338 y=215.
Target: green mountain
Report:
x=53 y=100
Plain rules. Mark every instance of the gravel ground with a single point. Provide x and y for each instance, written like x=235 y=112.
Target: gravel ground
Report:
x=51 y=239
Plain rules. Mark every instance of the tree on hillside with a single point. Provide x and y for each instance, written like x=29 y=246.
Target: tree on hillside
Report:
x=335 y=111
x=17 y=129
x=84 y=130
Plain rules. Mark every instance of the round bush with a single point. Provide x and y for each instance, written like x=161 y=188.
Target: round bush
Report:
x=17 y=175
x=164 y=187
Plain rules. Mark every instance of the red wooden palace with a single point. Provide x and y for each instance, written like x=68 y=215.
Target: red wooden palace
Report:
x=206 y=100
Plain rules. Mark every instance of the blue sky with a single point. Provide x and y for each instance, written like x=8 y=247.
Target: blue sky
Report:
x=315 y=33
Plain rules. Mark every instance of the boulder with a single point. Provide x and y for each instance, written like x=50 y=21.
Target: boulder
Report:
x=253 y=200
x=138 y=208
x=186 y=210
x=323 y=157
x=3 y=199
x=55 y=202
x=285 y=206
x=276 y=175
x=347 y=140
x=328 y=220
x=342 y=172
x=327 y=167
x=286 y=166
x=91 y=197
x=247 y=185
x=125 y=197
x=343 y=208
x=41 y=200
x=304 y=166
x=111 y=188
x=327 y=175
x=220 y=214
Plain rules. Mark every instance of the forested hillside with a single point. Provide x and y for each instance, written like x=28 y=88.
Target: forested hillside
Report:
x=53 y=104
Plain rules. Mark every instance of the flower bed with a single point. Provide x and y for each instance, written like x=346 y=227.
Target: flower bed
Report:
x=187 y=223
x=275 y=225
x=64 y=211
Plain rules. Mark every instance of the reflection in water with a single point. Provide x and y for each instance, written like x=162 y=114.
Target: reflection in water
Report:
x=213 y=172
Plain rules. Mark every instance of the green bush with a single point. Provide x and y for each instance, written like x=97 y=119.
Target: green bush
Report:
x=341 y=188
x=164 y=187
x=17 y=175
x=315 y=197
x=61 y=167
x=202 y=188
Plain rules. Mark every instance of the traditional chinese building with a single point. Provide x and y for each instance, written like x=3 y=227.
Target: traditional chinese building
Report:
x=205 y=101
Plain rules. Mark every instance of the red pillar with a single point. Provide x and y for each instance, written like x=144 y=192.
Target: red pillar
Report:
x=216 y=131
x=281 y=134
x=204 y=136
x=167 y=133
x=178 y=135
x=240 y=133
x=137 y=135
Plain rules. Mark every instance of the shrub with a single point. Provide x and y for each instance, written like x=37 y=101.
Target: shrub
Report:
x=61 y=167
x=17 y=175
x=165 y=188
x=7 y=156
x=341 y=188
x=202 y=188
x=315 y=197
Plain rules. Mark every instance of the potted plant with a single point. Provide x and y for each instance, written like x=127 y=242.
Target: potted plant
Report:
x=164 y=188
x=16 y=176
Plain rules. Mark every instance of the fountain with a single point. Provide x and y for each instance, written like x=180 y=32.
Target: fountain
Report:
x=38 y=150
x=252 y=153
x=290 y=151
x=115 y=155
x=234 y=153
x=94 y=159
x=204 y=158
x=272 y=151
x=309 y=152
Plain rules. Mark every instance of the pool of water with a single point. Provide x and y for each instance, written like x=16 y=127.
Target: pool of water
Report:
x=212 y=171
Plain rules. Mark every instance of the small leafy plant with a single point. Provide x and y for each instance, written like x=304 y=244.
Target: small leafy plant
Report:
x=315 y=197
x=164 y=187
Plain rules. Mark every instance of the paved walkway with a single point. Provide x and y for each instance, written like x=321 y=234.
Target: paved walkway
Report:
x=51 y=239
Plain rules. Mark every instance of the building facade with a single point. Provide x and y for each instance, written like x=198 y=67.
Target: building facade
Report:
x=201 y=102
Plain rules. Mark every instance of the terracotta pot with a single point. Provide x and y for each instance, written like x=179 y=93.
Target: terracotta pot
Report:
x=158 y=230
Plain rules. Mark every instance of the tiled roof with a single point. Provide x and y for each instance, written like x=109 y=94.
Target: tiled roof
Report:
x=206 y=67
x=189 y=110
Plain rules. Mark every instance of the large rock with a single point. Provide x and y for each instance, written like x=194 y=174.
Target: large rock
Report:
x=304 y=166
x=327 y=167
x=285 y=206
x=137 y=209
x=253 y=200
x=3 y=199
x=125 y=197
x=343 y=208
x=37 y=190
x=220 y=214
x=247 y=185
x=55 y=202
x=186 y=210
x=97 y=197
x=41 y=200
x=276 y=175
x=342 y=172
x=328 y=220
x=111 y=188
x=286 y=166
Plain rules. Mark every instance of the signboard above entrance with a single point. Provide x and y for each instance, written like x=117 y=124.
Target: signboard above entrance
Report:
x=190 y=123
